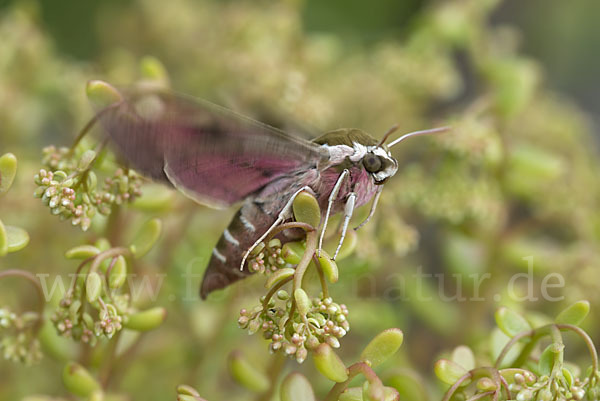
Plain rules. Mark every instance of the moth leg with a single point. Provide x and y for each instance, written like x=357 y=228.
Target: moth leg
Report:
x=332 y=197
x=373 y=207
x=285 y=214
x=348 y=210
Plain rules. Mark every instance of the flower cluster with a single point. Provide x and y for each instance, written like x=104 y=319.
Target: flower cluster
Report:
x=73 y=321
x=527 y=387
x=18 y=336
x=293 y=332
x=69 y=187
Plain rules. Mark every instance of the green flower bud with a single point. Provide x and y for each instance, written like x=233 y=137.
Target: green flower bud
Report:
x=292 y=252
x=78 y=380
x=306 y=209
x=93 y=287
x=329 y=364
x=8 y=171
x=295 y=387
x=146 y=320
x=247 y=375
x=383 y=346
x=302 y=301
x=118 y=273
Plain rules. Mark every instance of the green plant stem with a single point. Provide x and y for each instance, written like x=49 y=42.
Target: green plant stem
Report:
x=538 y=333
x=84 y=131
x=353 y=370
x=273 y=290
x=311 y=247
x=38 y=287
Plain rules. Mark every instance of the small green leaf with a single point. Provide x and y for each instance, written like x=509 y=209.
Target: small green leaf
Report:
x=146 y=320
x=3 y=240
x=348 y=246
x=306 y=209
x=8 y=171
x=55 y=345
x=16 y=238
x=448 y=371
x=329 y=267
x=486 y=384
x=463 y=356
x=93 y=287
x=409 y=385
x=292 y=252
x=118 y=273
x=102 y=94
x=373 y=391
x=78 y=380
x=184 y=389
x=279 y=276
x=295 y=387
x=146 y=238
x=86 y=159
x=546 y=362
x=329 y=364
x=511 y=322
x=151 y=68
x=302 y=301
x=382 y=347
x=352 y=394
x=155 y=198
x=82 y=252
x=97 y=395
x=247 y=375
x=574 y=314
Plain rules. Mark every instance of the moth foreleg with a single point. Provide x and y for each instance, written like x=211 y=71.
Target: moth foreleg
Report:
x=348 y=210
x=373 y=207
x=285 y=214
x=332 y=198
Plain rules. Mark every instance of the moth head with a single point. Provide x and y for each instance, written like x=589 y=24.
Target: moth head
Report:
x=379 y=162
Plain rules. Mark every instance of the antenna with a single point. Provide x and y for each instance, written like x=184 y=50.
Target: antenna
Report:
x=393 y=129
x=415 y=133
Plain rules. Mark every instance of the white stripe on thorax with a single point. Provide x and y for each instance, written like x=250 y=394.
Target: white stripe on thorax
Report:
x=230 y=238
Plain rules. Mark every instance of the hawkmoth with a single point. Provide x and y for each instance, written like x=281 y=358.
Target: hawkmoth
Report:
x=219 y=158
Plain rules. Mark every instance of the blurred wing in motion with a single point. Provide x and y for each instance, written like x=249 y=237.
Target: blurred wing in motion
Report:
x=211 y=154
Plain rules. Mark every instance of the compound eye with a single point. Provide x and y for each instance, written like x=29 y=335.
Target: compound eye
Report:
x=372 y=163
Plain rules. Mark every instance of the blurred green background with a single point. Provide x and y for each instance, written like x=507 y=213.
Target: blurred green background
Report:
x=516 y=178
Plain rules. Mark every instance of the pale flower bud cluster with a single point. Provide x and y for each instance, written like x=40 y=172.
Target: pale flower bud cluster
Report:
x=293 y=333
x=69 y=187
x=18 y=337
